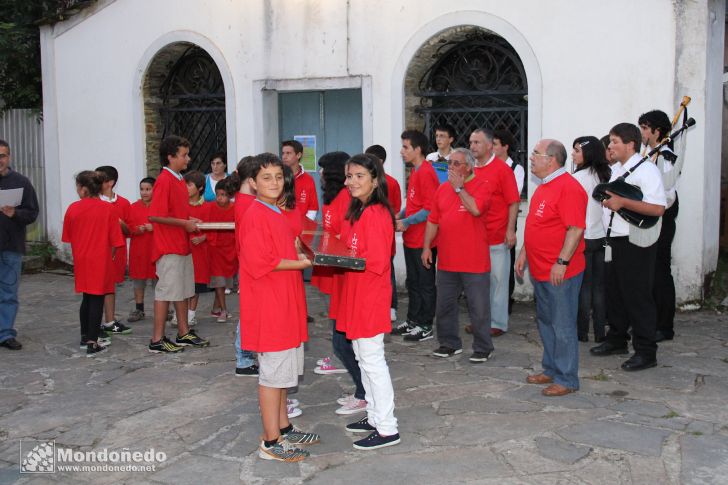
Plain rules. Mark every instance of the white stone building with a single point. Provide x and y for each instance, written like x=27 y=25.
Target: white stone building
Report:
x=584 y=65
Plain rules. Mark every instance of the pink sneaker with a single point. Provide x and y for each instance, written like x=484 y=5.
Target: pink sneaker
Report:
x=323 y=361
x=353 y=406
x=328 y=368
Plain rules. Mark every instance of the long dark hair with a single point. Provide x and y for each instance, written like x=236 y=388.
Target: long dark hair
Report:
x=91 y=180
x=379 y=196
x=595 y=157
x=288 y=196
x=333 y=175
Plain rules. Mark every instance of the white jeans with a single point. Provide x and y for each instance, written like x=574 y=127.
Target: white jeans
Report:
x=500 y=258
x=377 y=383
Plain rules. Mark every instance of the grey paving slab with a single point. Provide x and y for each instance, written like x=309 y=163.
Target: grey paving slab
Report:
x=664 y=425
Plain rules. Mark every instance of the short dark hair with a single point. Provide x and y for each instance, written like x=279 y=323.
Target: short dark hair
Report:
x=229 y=184
x=417 y=139
x=262 y=160
x=627 y=132
x=296 y=145
x=110 y=172
x=446 y=127
x=169 y=147
x=196 y=177
x=91 y=180
x=5 y=144
x=506 y=139
x=487 y=132
x=656 y=120
x=378 y=151
x=148 y=180
x=221 y=155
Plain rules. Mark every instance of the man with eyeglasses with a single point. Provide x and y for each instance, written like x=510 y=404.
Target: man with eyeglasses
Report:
x=13 y=221
x=500 y=223
x=457 y=219
x=554 y=251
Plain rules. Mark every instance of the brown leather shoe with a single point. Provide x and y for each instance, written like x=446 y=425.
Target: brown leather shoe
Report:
x=556 y=390
x=468 y=329
x=539 y=379
x=496 y=332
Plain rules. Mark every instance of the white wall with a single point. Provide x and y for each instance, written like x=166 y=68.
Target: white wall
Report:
x=586 y=63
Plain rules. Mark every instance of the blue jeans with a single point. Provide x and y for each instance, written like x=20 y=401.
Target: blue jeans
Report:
x=344 y=351
x=556 y=309
x=500 y=259
x=244 y=358
x=10 y=263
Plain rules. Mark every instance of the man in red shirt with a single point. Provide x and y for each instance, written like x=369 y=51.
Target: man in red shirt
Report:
x=554 y=250
x=500 y=223
x=169 y=213
x=305 y=187
x=458 y=219
x=423 y=183
x=394 y=195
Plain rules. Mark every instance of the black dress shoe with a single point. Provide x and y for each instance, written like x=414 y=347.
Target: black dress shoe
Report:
x=11 y=344
x=659 y=336
x=639 y=362
x=600 y=338
x=583 y=338
x=608 y=348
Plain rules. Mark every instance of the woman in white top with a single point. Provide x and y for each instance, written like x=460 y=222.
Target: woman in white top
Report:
x=591 y=168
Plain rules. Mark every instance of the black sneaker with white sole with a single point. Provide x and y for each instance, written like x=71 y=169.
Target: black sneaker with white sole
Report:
x=375 y=441
x=402 y=328
x=191 y=338
x=443 y=351
x=419 y=334
x=165 y=346
x=116 y=327
x=247 y=371
x=361 y=426
x=94 y=349
x=480 y=357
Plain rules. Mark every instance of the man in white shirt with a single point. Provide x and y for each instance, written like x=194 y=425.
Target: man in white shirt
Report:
x=444 y=138
x=630 y=272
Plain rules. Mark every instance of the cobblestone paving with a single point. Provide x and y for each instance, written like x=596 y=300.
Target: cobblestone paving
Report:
x=460 y=423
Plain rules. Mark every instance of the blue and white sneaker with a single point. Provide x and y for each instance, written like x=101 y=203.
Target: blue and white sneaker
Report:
x=375 y=441
x=361 y=426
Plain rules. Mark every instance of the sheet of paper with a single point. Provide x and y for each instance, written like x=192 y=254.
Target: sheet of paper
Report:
x=11 y=197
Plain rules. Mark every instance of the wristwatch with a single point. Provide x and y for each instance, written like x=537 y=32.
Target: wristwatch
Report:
x=458 y=189
x=562 y=262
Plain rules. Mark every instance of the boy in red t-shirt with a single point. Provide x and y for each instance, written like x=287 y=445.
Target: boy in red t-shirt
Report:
x=170 y=215
x=141 y=265
x=200 y=247
x=121 y=208
x=273 y=309
x=223 y=257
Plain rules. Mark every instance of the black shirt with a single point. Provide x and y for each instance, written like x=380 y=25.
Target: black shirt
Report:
x=12 y=230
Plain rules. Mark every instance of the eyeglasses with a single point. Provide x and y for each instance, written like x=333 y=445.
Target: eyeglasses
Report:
x=455 y=163
x=536 y=154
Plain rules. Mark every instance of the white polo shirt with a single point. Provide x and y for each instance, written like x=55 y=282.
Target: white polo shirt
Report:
x=648 y=178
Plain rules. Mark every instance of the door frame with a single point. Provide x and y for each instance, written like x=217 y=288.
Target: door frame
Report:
x=265 y=105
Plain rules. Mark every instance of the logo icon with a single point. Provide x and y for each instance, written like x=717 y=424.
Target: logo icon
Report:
x=37 y=456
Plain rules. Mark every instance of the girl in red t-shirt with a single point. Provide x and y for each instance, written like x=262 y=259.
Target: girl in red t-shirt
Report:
x=92 y=228
x=223 y=257
x=363 y=311
x=141 y=265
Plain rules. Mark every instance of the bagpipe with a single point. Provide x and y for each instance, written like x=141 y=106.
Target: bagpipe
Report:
x=622 y=188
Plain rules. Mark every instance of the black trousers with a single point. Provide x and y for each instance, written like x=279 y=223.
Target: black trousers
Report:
x=593 y=295
x=664 y=284
x=92 y=309
x=421 y=287
x=630 y=282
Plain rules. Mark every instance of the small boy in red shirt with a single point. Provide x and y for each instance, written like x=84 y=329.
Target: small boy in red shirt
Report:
x=170 y=215
x=223 y=257
x=121 y=208
x=141 y=265
x=199 y=209
x=273 y=309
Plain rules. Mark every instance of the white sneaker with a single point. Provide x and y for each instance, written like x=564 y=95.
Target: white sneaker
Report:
x=352 y=407
x=344 y=399
x=228 y=291
x=294 y=412
x=292 y=403
x=393 y=314
x=328 y=368
x=323 y=361
x=173 y=321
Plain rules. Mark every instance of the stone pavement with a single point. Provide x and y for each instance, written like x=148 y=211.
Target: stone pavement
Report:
x=460 y=423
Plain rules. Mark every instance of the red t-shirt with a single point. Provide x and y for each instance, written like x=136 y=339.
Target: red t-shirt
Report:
x=272 y=303
x=462 y=238
x=363 y=309
x=121 y=208
x=242 y=202
x=394 y=194
x=554 y=207
x=423 y=183
x=295 y=220
x=331 y=217
x=305 y=188
x=92 y=228
x=223 y=257
x=201 y=252
x=141 y=266
x=170 y=200
x=504 y=192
